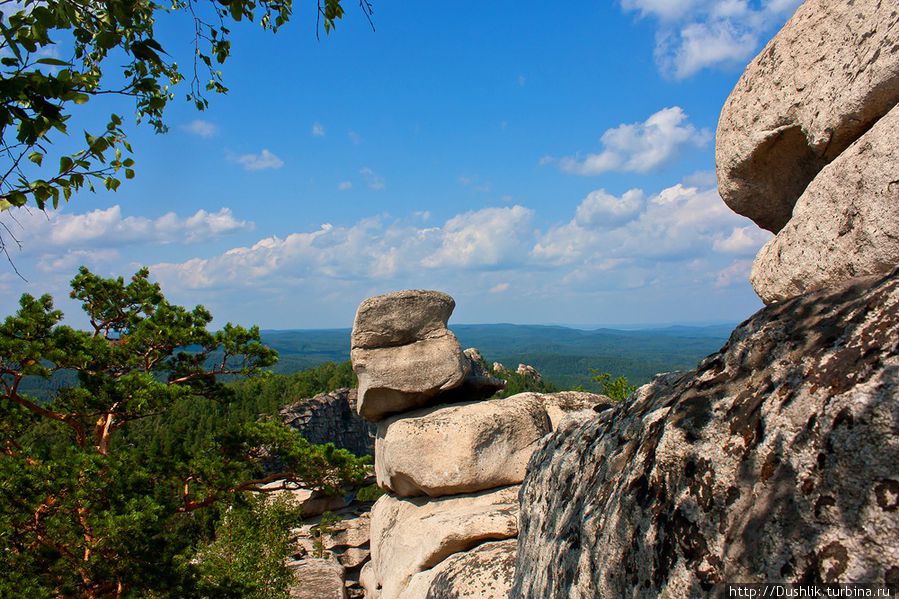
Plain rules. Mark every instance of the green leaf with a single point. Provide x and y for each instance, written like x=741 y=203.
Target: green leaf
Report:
x=53 y=62
x=36 y=157
x=65 y=164
x=4 y=205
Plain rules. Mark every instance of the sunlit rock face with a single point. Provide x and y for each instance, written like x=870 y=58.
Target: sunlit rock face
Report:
x=774 y=460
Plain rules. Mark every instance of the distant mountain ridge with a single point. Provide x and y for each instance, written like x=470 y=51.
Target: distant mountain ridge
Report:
x=565 y=356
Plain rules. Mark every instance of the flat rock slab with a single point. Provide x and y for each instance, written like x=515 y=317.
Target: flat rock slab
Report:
x=409 y=536
x=775 y=460
x=318 y=579
x=825 y=79
x=484 y=572
x=845 y=224
x=459 y=448
x=400 y=318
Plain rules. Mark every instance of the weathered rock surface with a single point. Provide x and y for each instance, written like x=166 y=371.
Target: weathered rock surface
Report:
x=312 y=503
x=775 y=460
x=820 y=84
x=318 y=579
x=400 y=318
x=845 y=224
x=459 y=448
x=563 y=404
x=332 y=418
x=485 y=572
x=404 y=377
x=411 y=535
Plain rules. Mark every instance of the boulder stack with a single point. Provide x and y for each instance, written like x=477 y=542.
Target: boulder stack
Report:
x=806 y=147
x=451 y=462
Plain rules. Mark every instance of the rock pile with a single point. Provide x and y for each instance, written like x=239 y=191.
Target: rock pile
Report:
x=806 y=147
x=332 y=418
x=451 y=463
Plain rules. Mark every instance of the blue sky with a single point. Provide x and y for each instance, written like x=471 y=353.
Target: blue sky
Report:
x=539 y=166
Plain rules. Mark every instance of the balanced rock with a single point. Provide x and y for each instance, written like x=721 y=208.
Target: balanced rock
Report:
x=485 y=572
x=411 y=535
x=459 y=448
x=774 y=460
x=845 y=224
x=820 y=84
x=402 y=352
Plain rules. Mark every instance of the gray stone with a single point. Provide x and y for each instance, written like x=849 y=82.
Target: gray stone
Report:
x=332 y=418
x=459 y=448
x=404 y=377
x=409 y=536
x=318 y=579
x=825 y=79
x=775 y=460
x=400 y=318
x=845 y=224
x=484 y=572
x=564 y=404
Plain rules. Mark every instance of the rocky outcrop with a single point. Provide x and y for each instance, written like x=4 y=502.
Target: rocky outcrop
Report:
x=459 y=448
x=342 y=552
x=318 y=579
x=485 y=572
x=775 y=460
x=413 y=535
x=332 y=418
x=569 y=404
x=845 y=224
x=404 y=355
x=820 y=84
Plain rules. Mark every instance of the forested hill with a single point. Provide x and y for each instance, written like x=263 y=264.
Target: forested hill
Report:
x=563 y=355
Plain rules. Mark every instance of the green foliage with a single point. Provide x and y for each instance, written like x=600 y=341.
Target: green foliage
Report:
x=246 y=557
x=97 y=495
x=617 y=389
x=369 y=493
x=322 y=530
x=520 y=383
x=111 y=49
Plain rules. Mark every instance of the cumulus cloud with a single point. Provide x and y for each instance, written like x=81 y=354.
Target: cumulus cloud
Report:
x=699 y=34
x=734 y=273
x=264 y=160
x=201 y=128
x=371 y=249
x=677 y=224
x=640 y=147
x=109 y=227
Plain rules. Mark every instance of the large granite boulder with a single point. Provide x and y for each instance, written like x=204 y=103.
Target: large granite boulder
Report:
x=409 y=536
x=845 y=224
x=820 y=84
x=318 y=579
x=569 y=404
x=485 y=572
x=459 y=448
x=332 y=418
x=775 y=460
x=400 y=318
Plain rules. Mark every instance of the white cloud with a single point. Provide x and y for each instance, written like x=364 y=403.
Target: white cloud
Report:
x=600 y=208
x=67 y=263
x=344 y=185
x=318 y=130
x=107 y=228
x=372 y=179
x=736 y=272
x=699 y=34
x=640 y=147
x=499 y=288
x=201 y=128
x=488 y=237
x=742 y=240
x=257 y=162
